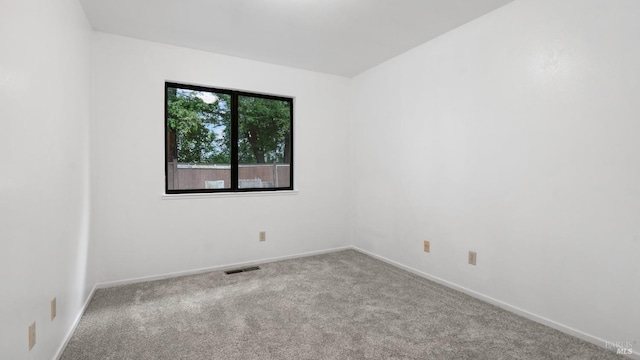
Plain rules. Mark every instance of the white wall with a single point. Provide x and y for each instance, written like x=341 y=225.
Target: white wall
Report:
x=516 y=136
x=44 y=190
x=138 y=234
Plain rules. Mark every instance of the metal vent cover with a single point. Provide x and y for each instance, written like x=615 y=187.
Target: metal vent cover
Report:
x=235 y=271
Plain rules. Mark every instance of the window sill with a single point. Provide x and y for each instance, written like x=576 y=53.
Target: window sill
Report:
x=229 y=195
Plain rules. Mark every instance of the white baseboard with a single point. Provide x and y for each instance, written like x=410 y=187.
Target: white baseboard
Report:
x=74 y=325
x=216 y=268
x=526 y=314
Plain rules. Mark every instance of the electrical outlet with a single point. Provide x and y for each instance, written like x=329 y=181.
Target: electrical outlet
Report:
x=53 y=309
x=263 y=236
x=32 y=335
x=472 y=257
x=427 y=246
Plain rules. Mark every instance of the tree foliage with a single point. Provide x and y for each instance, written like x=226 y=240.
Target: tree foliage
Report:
x=202 y=129
x=194 y=123
x=264 y=130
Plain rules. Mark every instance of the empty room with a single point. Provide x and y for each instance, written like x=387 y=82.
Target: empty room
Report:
x=320 y=179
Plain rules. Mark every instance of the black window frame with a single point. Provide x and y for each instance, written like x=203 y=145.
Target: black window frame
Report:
x=234 y=139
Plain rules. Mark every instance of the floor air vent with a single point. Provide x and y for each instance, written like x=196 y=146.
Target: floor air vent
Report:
x=235 y=271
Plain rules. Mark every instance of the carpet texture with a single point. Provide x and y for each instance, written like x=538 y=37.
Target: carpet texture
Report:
x=342 y=305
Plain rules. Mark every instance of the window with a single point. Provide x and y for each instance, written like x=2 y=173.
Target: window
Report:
x=219 y=140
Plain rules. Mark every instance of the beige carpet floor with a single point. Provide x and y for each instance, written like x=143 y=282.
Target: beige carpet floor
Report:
x=342 y=305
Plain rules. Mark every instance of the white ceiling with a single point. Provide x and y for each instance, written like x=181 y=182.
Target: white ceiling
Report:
x=342 y=37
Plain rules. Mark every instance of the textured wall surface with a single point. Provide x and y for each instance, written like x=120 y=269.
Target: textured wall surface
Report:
x=137 y=233
x=44 y=209
x=515 y=136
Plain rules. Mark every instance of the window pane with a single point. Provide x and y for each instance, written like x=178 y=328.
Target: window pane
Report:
x=198 y=139
x=264 y=143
